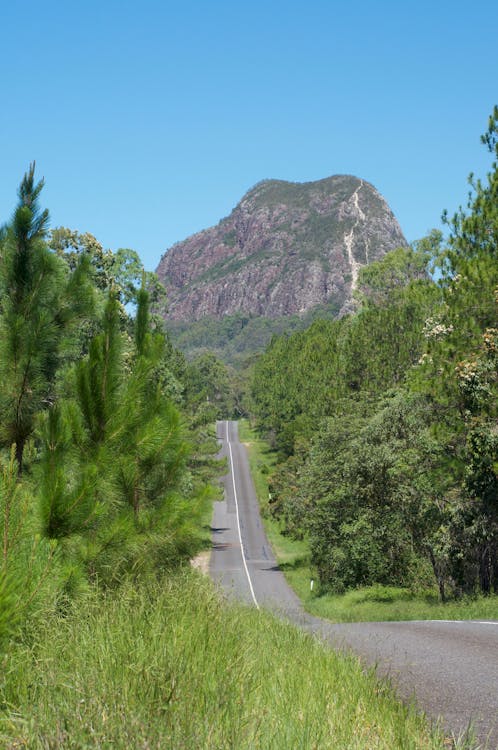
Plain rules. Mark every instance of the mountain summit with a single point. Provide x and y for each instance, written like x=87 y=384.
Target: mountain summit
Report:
x=285 y=248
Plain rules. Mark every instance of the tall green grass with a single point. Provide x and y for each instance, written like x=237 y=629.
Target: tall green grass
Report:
x=386 y=603
x=174 y=666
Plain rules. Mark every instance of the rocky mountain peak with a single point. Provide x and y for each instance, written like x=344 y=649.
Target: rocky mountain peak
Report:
x=285 y=248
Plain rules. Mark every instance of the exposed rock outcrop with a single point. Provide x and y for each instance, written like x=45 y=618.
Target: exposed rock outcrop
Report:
x=285 y=248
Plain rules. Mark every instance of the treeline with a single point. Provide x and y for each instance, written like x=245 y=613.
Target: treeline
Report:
x=105 y=456
x=386 y=420
x=235 y=339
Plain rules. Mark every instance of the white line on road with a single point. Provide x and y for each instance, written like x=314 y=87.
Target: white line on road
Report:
x=462 y=622
x=238 y=520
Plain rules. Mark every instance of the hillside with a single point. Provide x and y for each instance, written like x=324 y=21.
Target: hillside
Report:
x=285 y=249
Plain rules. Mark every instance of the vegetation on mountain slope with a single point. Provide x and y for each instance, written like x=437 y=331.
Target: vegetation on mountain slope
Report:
x=237 y=339
x=287 y=253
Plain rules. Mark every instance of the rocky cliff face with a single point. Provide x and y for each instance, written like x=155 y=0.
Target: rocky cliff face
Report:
x=285 y=248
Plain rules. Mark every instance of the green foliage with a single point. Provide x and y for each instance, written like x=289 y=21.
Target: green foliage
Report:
x=372 y=497
x=66 y=503
x=237 y=338
x=122 y=269
x=112 y=472
x=459 y=373
x=8 y=609
x=380 y=281
x=386 y=603
x=234 y=338
x=210 y=389
x=174 y=665
x=41 y=305
x=375 y=603
x=314 y=373
x=31 y=576
x=297 y=194
x=111 y=486
x=387 y=483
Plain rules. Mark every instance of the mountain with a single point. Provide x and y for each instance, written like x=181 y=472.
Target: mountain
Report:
x=285 y=249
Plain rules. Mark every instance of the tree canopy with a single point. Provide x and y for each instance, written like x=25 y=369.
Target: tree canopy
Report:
x=386 y=420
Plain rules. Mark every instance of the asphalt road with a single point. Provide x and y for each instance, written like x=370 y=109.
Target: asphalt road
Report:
x=450 y=668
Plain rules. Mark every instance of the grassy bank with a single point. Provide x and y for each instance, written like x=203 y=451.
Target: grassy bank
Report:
x=375 y=603
x=174 y=666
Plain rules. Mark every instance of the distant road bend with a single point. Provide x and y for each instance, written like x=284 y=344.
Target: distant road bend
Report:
x=450 y=667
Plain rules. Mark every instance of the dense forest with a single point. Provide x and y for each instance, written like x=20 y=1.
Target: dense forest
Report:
x=105 y=456
x=386 y=420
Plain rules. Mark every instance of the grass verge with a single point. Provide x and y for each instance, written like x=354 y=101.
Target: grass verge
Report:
x=375 y=603
x=172 y=665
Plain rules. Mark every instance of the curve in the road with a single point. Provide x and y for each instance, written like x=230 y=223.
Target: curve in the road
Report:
x=451 y=667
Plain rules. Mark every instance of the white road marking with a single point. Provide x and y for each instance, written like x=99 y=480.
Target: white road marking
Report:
x=238 y=521
x=461 y=622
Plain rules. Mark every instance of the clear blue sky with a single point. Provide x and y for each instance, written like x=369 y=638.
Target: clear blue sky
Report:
x=149 y=120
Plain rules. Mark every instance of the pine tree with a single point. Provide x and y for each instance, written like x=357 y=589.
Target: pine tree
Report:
x=461 y=371
x=39 y=302
x=152 y=447
x=113 y=456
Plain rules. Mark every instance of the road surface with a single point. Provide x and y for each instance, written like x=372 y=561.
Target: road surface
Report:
x=451 y=668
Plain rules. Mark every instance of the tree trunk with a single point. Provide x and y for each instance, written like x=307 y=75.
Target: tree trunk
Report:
x=438 y=574
x=485 y=570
